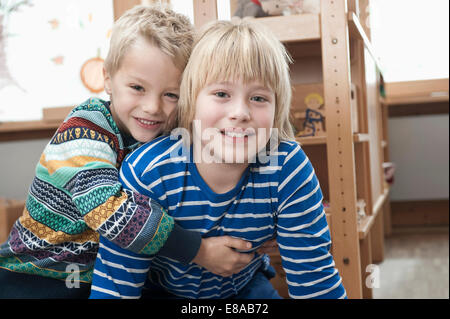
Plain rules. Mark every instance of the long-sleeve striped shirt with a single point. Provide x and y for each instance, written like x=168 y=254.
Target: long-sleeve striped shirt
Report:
x=76 y=195
x=281 y=197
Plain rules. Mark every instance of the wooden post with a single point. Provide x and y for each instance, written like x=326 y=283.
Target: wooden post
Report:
x=204 y=12
x=120 y=6
x=366 y=260
x=377 y=235
x=340 y=148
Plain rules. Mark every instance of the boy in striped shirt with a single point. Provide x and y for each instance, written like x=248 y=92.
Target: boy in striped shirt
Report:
x=76 y=193
x=234 y=179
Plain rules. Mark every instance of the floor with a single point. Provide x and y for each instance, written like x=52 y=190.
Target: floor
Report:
x=415 y=266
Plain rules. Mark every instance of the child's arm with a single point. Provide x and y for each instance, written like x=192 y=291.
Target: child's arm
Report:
x=121 y=274
x=303 y=235
x=82 y=160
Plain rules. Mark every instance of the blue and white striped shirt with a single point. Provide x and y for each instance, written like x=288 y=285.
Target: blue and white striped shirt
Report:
x=282 y=200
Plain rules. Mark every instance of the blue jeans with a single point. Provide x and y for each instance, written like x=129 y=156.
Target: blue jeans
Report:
x=14 y=285
x=259 y=287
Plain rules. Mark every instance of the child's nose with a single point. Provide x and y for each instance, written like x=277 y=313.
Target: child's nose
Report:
x=152 y=105
x=240 y=111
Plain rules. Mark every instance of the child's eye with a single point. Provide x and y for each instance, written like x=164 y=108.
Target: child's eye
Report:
x=137 y=88
x=172 y=96
x=259 y=99
x=221 y=94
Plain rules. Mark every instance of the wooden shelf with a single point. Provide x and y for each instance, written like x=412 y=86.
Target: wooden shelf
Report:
x=294 y=28
x=318 y=140
x=403 y=100
x=417 y=97
x=366 y=223
x=416 y=92
x=357 y=32
x=26 y=130
x=27 y=126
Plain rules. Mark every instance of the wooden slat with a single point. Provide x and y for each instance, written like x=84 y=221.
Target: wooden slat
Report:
x=357 y=31
x=204 y=12
x=120 y=6
x=377 y=238
x=366 y=224
x=374 y=130
x=29 y=130
x=340 y=150
x=417 y=91
x=318 y=140
x=295 y=28
x=423 y=100
x=366 y=259
x=9 y=127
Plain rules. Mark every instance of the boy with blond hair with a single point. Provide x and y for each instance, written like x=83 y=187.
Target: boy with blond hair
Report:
x=76 y=194
x=227 y=174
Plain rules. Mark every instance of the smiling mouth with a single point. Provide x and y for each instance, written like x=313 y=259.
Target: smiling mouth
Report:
x=148 y=122
x=237 y=134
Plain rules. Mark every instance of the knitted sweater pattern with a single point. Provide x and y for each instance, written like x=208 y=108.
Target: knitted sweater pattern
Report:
x=76 y=196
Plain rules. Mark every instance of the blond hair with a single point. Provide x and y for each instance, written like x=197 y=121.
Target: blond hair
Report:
x=171 y=32
x=238 y=49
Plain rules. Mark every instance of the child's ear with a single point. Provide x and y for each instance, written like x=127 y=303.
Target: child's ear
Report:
x=107 y=79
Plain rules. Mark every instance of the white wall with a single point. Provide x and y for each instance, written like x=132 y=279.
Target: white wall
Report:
x=419 y=146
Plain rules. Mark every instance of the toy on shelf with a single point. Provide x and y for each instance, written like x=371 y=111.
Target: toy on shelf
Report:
x=263 y=8
x=360 y=209
x=314 y=124
x=389 y=170
x=249 y=8
x=289 y=7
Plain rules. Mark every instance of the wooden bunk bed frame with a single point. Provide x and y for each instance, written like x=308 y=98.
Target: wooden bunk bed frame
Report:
x=348 y=163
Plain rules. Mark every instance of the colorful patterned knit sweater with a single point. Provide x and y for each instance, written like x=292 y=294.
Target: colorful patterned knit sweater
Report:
x=76 y=195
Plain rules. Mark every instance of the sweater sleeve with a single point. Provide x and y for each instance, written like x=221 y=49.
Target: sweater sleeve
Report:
x=83 y=159
x=302 y=232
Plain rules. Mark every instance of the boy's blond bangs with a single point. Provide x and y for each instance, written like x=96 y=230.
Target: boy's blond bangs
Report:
x=238 y=50
x=171 y=32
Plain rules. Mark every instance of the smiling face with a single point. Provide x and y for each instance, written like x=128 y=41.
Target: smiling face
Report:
x=144 y=91
x=233 y=120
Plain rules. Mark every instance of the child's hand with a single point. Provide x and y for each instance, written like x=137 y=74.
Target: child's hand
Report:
x=218 y=255
x=269 y=247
